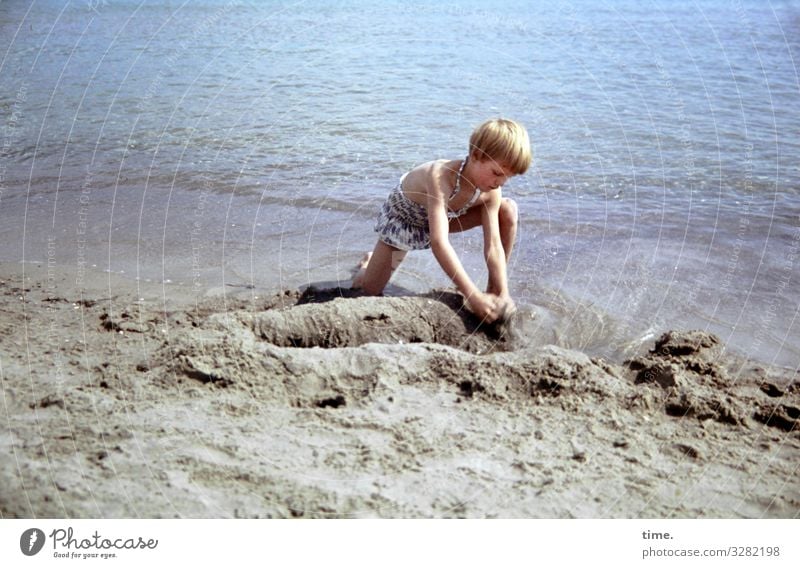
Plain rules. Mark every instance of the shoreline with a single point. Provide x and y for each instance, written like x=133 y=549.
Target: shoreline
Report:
x=135 y=401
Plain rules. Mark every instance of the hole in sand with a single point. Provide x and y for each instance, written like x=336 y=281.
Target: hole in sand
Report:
x=332 y=402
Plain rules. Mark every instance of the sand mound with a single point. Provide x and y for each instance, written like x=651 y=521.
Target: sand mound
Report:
x=690 y=369
x=348 y=345
x=347 y=322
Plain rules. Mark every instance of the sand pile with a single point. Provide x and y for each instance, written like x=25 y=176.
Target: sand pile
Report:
x=320 y=404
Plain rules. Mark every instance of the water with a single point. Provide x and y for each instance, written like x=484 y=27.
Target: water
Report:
x=213 y=142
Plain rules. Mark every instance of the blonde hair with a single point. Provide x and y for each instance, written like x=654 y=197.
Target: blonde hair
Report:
x=503 y=141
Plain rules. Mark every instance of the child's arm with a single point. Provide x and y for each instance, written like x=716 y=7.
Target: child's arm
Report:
x=483 y=305
x=493 y=251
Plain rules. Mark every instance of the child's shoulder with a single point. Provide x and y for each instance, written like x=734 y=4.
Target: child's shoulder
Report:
x=430 y=168
x=433 y=174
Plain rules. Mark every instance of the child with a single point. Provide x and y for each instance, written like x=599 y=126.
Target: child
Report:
x=447 y=196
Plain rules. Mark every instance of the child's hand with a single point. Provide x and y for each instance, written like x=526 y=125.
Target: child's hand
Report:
x=488 y=307
x=506 y=306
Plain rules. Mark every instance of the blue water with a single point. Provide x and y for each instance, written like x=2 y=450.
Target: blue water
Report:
x=212 y=142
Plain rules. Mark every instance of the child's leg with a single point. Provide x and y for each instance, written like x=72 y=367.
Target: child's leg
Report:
x=376 y=268
x=507 y=223
x=508 y=234
x=509 y=217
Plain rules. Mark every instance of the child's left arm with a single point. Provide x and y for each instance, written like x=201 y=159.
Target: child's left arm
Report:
x=493 y=247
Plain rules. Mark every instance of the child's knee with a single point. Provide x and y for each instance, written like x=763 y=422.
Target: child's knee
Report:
x=509 y=212
x=371 y=289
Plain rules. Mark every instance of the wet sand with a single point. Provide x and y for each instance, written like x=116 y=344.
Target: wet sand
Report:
x=125 y=399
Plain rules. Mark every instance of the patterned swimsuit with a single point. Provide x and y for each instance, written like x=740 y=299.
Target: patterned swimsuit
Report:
x=403 y=223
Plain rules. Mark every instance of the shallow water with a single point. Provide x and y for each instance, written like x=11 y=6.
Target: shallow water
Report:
x=245 y=142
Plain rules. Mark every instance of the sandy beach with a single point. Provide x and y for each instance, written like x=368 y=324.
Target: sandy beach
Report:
x=185 y=188
x=130 y=399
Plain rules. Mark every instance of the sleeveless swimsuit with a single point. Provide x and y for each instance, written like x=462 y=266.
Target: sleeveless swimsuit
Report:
x=403 y=223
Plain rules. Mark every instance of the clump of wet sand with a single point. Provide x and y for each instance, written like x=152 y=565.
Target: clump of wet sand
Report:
x=323 y=404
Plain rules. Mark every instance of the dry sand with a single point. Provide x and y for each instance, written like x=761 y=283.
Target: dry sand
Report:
x=128 y=400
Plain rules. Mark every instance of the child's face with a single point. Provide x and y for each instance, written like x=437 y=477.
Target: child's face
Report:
x=490 y=175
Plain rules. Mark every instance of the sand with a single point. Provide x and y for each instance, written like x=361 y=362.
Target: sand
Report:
x=130 y=399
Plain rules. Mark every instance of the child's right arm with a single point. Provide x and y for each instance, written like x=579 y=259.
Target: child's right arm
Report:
x=485 y=306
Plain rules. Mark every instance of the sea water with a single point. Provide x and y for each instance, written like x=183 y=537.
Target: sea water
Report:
x=216 y=144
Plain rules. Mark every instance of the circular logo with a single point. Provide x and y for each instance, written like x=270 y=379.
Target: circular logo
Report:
x=31 y=542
